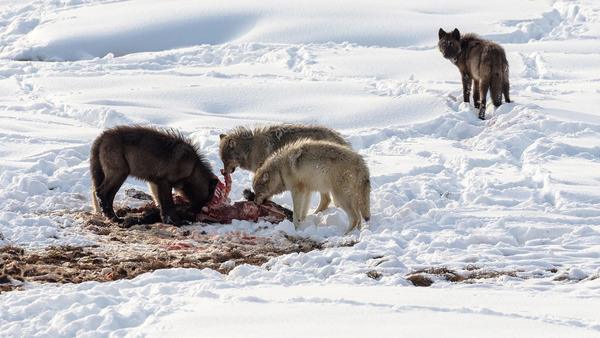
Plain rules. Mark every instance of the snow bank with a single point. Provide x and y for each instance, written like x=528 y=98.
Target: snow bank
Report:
x=76 y=32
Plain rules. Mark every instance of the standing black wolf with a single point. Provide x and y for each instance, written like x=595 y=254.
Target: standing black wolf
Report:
x=478 y=60
x=165 y=159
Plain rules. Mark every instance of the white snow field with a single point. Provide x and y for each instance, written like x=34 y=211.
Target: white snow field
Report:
x=517 y=194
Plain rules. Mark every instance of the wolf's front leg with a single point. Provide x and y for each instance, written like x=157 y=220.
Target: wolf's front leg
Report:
x=306 y=204
x=299 y=200
x=466 y=82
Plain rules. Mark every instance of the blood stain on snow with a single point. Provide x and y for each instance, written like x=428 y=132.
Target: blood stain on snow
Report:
x=124 y=253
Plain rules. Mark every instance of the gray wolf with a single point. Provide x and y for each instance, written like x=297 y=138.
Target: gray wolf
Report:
x=308 y=165
x=249 y=148
x=481 y=61
x=165 y=159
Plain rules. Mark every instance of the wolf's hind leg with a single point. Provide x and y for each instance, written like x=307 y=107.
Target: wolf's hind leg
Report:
x=354 y=218
x=476 y=97
x=324 y=203
x=97 y=208
x=505 y=90
x=154 y=192
x=106 y=192
x=351 y=209
x=165 y=203
x=484 y=86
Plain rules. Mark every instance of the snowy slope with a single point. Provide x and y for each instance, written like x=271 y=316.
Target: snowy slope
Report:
x=517 y=193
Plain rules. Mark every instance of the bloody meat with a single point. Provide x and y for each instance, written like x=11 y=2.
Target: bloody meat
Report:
x=218 y=210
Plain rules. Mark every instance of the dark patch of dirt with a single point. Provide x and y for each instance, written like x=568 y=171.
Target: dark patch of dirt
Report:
x=424 y=277
x=420 y=280
x=374 y=275
x=128 y=252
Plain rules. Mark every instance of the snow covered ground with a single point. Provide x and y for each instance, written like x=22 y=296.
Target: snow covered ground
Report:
x=517 y=195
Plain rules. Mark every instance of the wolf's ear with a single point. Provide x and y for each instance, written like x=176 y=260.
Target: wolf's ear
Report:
x=441 y=33
x=456 y=34
x=231 y=144
x=222 y=136
x=265 y=177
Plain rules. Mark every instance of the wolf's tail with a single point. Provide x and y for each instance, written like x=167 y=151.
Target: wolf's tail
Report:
x=96 y=172
x=498 y=78
x=365 y=205
x=506 y=83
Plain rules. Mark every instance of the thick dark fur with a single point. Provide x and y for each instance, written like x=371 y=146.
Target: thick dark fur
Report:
x=165 y=159
x=481 y=61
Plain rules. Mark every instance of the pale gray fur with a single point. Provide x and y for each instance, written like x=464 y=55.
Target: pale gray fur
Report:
x=249 y=148
x=309 y=165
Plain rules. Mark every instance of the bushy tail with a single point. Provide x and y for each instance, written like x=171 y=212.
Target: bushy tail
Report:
x=497 y=80
x=365 y=205
x=506 y=83
x=96 y=172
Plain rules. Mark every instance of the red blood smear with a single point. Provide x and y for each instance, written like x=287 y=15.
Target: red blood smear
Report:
x=220 y=209
x=222 y=191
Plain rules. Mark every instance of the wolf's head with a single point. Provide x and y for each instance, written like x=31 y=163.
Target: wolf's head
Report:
x=198 y=188
x=449 y=44
x=262 y=185
x=228 y=151
x=265 y=185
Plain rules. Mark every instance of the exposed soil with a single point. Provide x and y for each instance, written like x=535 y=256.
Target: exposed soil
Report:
x=128 y=252
x=124 y=251
x=424 y=277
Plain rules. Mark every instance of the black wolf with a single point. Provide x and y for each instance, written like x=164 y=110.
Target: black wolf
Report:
x=165 y=159
x=478 y=60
